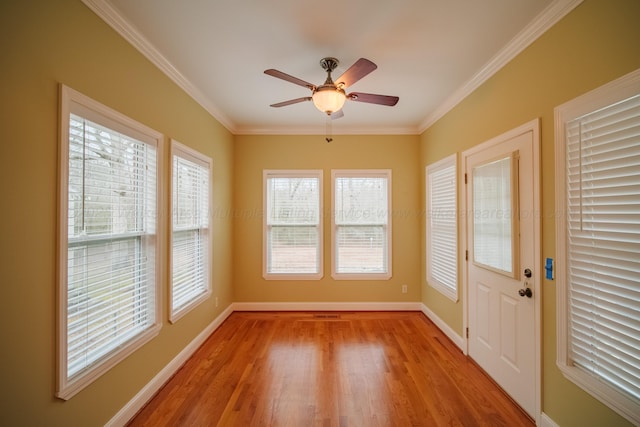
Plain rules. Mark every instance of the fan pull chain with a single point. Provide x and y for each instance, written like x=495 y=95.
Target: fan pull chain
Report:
x=329 y=129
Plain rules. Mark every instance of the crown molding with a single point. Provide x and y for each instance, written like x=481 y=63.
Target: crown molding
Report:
x=112 y=17
x=543 y=22
x=321 y=130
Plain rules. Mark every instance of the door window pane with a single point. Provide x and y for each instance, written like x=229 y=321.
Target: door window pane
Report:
x=494 y=198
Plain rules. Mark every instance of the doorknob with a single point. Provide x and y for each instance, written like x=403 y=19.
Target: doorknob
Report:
x=526 y=292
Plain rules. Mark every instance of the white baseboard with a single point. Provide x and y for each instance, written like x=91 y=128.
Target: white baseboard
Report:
x=446 y=329
x=148 y=391
x=546 y=421
x=327 y=306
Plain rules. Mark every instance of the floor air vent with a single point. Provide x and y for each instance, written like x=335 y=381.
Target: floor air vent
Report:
x=326 y=316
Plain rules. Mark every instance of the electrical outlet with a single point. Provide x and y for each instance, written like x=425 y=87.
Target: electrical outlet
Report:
x=404 y=289
x=216 y=301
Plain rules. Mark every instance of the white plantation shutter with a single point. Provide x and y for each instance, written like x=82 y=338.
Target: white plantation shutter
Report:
x=442 y=230
x=603 y=224
x=293 y=224
x=361 y=221
x=190 y=240
x=108 y=237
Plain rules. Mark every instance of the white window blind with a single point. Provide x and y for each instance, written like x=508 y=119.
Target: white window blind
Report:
x=361 y=224
x=108 y=295
x=598 y=171
x=603 y=207
x=293 y=224
x=442 y=227
x=190 y=240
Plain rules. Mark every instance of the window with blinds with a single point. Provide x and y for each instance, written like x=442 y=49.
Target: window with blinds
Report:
x=442 y=227
x=293 y=225
x=598 y=137
x=361 y=225
x=190 y=236
x=108 y=234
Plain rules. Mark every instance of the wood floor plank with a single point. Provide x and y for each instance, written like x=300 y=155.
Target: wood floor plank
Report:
x=329 y=369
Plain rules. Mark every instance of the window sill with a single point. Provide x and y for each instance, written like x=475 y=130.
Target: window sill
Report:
x=622 y=404
x=361 y=276
x=293 y=276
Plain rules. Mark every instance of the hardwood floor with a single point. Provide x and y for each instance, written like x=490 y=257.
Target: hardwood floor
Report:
x=330 y=369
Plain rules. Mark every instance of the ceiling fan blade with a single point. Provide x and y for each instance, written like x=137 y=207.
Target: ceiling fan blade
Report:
x=361 y=68
x=287 y=77
x=291 y=101
x=373 y=99
x=338 y=114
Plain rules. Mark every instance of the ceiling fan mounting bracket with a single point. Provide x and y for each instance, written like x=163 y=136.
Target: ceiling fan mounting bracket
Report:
x=329 y=64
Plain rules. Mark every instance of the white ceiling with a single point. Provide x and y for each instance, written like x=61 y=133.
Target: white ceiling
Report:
x=430 y=53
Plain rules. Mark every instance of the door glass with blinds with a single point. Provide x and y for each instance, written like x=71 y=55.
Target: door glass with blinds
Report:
x=108 y=283
x=442 y=227
x=293 y=226
x=495 y=216
x=361 y=224
x=600 y=343
x=190 y=235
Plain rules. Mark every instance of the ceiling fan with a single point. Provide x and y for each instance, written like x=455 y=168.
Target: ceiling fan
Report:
x=330 y=97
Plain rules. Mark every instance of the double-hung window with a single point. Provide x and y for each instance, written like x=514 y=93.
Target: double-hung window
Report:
x=598 y=242
x=361 y=223
x=190 y=231
x=442 y=227
x=108 y=247
x=292 y=225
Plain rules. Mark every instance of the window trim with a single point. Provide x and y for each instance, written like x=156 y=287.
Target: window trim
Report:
x=450 y=291
x=73 y=101
x=180 y=150
x=361 y=173
x=598 y=98
x=292 y=173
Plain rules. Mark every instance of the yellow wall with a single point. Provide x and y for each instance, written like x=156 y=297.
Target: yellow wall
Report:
x=44 y=43
x=596 y=43
x=253 y=154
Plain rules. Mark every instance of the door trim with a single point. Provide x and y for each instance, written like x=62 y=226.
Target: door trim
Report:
x=534 y=127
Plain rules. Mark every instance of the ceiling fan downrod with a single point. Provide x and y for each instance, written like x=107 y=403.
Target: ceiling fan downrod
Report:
x=329 y=64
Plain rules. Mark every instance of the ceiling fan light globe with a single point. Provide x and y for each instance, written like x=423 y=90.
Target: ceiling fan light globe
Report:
x=328 y=99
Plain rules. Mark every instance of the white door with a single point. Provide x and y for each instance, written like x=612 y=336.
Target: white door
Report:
x=501 y=262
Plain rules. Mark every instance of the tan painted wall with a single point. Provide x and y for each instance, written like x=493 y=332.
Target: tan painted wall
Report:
x=253 y=154
x=44 y=43
x=596 y=43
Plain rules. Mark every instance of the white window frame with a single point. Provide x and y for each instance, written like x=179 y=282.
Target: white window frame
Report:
x=363 y=173
x=442 y=265
x=618 y=90
x=74 y=102
x=202 y=290
x=304 y=173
